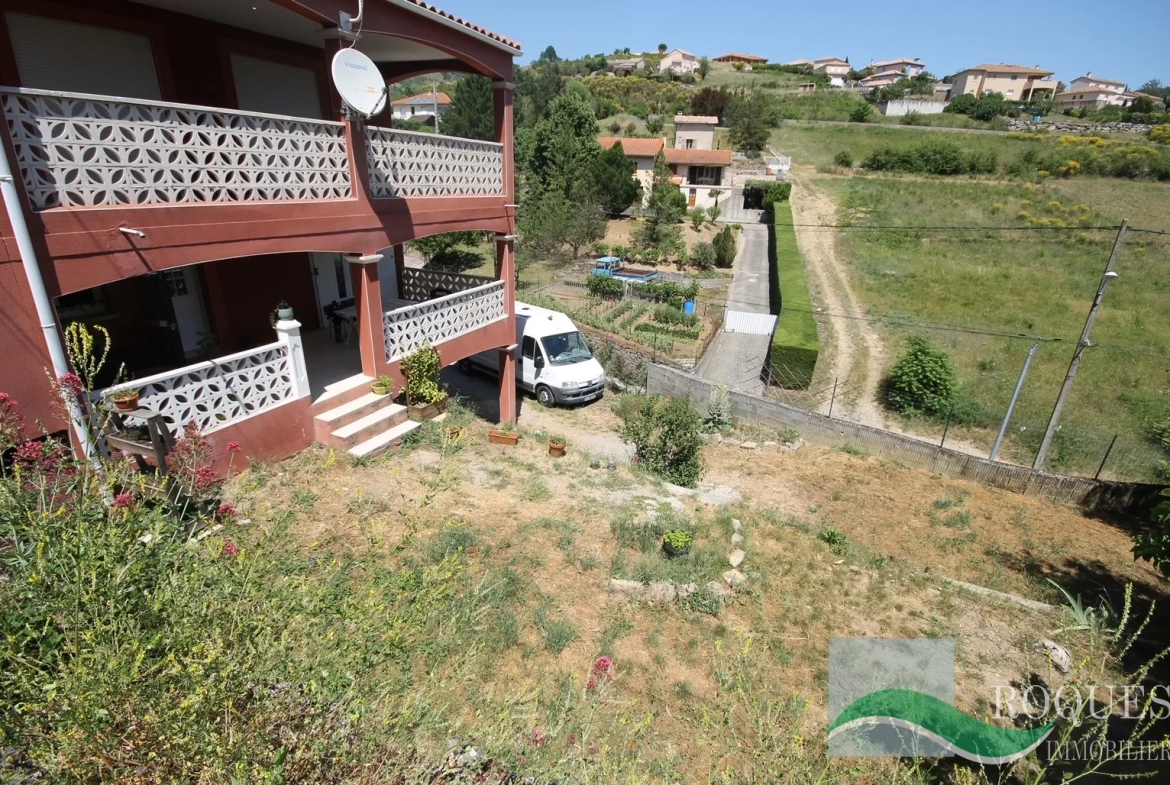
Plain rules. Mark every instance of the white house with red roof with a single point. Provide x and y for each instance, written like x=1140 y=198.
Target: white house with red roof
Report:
x=421 y=107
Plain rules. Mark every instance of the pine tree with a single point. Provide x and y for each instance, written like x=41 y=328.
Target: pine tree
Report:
x=472 y=113
x=614 y=180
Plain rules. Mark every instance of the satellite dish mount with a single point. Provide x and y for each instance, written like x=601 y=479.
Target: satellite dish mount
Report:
x=359 y=82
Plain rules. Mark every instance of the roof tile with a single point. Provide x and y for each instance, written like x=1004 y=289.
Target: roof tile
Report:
x=469 y=25
x=696 y=119
x=700 y=157
x=635 y=148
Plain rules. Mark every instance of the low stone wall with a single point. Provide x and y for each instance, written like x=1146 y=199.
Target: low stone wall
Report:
x=1079 y=128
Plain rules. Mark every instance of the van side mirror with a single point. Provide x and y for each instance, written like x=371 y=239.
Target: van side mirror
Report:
x=538 y=361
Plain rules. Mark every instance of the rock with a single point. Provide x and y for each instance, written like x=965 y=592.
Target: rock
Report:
x=686 y=589
x=734 y=579
x=749 y=446
x=720 y=495
x=662 y=592
x=1059 y=656
x=854 y=568
x=736 y=525
x=619 y=586
x=719 y=591
x=731 y=442
x=737 y=540
x=796 y=445
x=736 y=557
x=715 y=438
x=771 y=446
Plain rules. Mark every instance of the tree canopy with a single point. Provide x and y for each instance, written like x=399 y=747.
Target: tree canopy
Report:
x=472 y=112
x=613 y=177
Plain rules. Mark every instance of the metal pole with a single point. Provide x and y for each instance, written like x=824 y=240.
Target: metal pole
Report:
x=1012 y=406
x=947 y=427
x=1083 y=344
x=1101 y=468
x=36 y=285
x=834 y=398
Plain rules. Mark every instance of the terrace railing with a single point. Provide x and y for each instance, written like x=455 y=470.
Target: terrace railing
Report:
x=435 y=321
x=408 y=164
x=77 y=150
x=419 y=284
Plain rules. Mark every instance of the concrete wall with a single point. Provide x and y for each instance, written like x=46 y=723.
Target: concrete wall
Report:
x=702 y=136
x=906 y=105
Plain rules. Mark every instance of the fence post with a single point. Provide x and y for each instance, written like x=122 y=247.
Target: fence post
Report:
x=834 y=398
x=288 y=332
x=947 y=427
x=1101 y=468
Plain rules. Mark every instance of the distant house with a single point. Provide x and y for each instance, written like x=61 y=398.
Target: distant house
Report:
x=627 y=67
x=833 y=67
x=1014 y=82
x=694 y=132
x=420 y=107
x=697 y=172
x=679 y=61
x=880 y=80
x=1094 y=92
x=902 y=65
x=737 y=57
x=807 y=87
x=809 y=63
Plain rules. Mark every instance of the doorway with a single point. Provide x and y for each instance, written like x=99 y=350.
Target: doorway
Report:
x=190 y=313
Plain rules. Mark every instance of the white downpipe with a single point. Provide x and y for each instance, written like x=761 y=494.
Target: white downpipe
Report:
x=36 y=284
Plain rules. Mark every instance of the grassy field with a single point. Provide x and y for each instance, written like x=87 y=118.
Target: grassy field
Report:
x=1035 y=283
x=795 y=344
x=943 y=120
x=817 y=144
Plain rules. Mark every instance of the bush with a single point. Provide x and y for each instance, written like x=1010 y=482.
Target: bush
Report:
x=844 y=159
x=961 y=104
x=666 y=291
x=703 y=255
x=763 y=194
x=605 y=286
x=697 y=216
x=934 y=156
x=795 y=345
x=669 y=315
x=666 y=434
x=922 y=381
x=860 y=113
x=654 y=124
x=724 y=247
x=421 y=369
x=1160 y=134
x=912 y=118
x=1160 y=432
x=1154 y=543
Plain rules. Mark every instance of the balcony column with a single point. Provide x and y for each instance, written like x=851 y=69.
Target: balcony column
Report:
x=399 y=268
x=506 y=272
x=502 y=100
x=367 y=291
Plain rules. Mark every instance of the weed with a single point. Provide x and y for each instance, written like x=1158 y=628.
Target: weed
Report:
x=703 y=600
x=836 y=539
x=855 y=451
x=558 y=633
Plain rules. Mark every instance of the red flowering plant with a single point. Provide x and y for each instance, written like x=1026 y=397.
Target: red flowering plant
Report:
x=192 y=463
x=601 y=674
x=11 y=428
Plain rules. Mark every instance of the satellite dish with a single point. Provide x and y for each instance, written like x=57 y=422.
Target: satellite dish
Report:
x=359 y=82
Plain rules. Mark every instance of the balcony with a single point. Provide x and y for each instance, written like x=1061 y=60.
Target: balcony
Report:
x=86 y=151
x=442 y=319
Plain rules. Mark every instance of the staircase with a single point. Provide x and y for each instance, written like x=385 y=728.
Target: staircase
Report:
x=349 y=417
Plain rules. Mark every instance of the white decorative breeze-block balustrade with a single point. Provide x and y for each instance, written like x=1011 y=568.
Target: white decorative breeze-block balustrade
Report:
x=442 y=319
x=420 y=284
x=406 y=164
x=78 y=150
x=220 y=392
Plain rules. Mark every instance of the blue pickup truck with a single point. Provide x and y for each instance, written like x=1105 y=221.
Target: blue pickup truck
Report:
x=612 y=266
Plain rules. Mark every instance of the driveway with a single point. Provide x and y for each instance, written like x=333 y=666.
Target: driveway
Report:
x=735 y=359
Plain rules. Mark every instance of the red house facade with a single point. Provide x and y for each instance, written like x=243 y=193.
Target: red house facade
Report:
x=180 y=167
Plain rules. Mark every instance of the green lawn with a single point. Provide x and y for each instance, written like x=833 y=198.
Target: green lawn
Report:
x=1034 y=283
x=817 y=144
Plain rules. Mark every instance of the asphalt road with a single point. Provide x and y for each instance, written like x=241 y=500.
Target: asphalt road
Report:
x=734 y=359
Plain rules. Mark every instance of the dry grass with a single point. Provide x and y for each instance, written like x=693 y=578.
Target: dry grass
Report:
x=698 y=697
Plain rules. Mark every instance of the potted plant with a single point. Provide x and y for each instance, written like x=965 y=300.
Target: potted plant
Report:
x=281 y=313
x=505 y=434
x=677 y=542
x=383 y=385
x=425 y=400
x=556 y=445
x=125 y=400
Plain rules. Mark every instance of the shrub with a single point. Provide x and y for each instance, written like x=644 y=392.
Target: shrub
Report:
x=1160 y=432
x=860 y=113
x=666 y=291
x=665 y=314
x=666 y=434
x=961 y=104
x=703 y=255
x=912 y=118
x=795 y=345
x=724 y=247
x=763 y=195
x=934 y=156
x=719 y=413
x=697 y=215
x=844 y=159
x=421 y=369
x=1160 y=134
x=922 y=381
x=1154 y=544
x=605 y=286
x=654 y=124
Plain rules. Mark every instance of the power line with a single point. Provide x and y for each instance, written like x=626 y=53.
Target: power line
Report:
x=907 y=228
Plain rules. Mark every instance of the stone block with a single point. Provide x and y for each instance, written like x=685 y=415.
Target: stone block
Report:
x=619 y=586
x=735 y=579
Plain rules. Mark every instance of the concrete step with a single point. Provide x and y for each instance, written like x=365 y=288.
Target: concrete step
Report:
x=356 y=409
x=342 y=392
x=384 y=440
x=380 y=421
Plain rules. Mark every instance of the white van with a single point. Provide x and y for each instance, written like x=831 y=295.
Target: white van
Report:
x=554 y=362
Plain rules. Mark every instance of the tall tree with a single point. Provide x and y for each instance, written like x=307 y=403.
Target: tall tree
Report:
x=748 y=121
x=472 y=112
x=664 y=212
x=704 y=67
x=549 y=55
x=710 y=102
x=614 y=180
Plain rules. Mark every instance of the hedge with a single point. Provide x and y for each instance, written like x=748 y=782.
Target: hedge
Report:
x=795 y=345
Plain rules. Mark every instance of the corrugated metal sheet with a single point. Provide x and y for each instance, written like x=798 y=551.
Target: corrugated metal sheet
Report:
x=749 y=323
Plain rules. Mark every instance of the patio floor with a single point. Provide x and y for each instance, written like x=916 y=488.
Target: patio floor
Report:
x=328 y=361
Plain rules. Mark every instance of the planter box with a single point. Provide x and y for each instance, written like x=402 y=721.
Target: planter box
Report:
x=428 y=412
x=503 y=437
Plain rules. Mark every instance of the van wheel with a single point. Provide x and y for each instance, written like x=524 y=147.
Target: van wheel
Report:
x=545 y=397
x=464 y=367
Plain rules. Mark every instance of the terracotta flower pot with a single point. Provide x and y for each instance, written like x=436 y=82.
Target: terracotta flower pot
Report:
x=455 y=433
x=556 y=450
x=503 y=437
x=127 y=404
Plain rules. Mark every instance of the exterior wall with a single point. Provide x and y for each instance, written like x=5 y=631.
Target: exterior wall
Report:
x=645 y=176
x=272 y=435
x=1086 y=83
x=905 y=106
x=1091 y=100
x=701 y=135
x=1019 y=88
x=832 y=69
x=679 y=63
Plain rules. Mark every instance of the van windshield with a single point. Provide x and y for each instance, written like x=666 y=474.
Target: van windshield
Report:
x=566 y=348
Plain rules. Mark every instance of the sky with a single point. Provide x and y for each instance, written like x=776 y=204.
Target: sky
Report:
x=1123 y=39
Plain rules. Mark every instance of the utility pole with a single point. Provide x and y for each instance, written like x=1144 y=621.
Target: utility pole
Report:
x=1079 y=352
x=435 y=101
x=1012 y=406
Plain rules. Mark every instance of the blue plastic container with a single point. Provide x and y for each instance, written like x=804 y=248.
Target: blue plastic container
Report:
x=689 y=307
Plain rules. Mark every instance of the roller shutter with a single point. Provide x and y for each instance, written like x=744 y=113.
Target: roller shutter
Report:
x=275 y=88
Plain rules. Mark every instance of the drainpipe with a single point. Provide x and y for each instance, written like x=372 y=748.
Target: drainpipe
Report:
x=36 y=284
